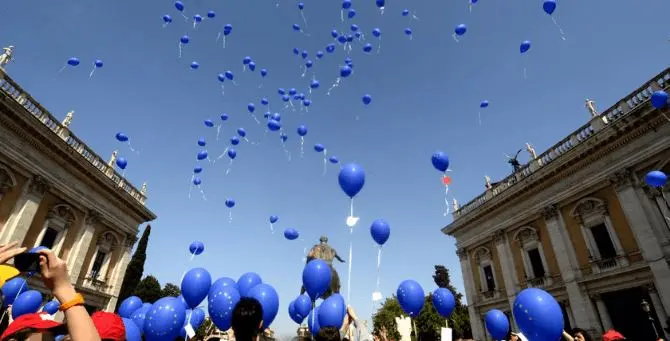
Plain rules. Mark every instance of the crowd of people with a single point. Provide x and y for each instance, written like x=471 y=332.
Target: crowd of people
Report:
x=247 y=318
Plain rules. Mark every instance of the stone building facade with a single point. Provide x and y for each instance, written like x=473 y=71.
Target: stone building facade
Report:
x=579 y=222
x=56 y=192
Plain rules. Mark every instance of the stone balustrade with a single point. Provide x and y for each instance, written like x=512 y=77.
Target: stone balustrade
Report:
x=638 y=98
x=10 y=88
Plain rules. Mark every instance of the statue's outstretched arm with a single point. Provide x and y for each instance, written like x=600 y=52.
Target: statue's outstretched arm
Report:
x=338 y=258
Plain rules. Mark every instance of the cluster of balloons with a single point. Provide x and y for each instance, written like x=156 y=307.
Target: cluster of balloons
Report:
x=24 y=300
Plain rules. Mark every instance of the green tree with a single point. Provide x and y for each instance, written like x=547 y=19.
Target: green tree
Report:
x=204 y=328
x=459 y=321
x=149 y=290
x=383 y=320
x=170 y=290
x=135 y=268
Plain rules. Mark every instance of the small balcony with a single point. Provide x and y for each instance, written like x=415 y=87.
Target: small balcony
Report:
x=490 y=294
x=540 y=282
x=94 y=282
x=608 y=264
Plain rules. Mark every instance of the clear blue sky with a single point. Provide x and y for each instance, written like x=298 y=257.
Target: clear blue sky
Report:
x=426 y=94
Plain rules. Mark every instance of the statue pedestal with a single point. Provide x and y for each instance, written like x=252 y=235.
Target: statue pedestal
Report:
x=598 y=123
x=535 y=165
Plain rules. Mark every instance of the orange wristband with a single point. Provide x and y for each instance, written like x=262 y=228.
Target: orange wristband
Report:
x=77 y=300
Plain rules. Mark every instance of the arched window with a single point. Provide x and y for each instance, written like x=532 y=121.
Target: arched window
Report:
x=7 y=181
x=605 y=249
x=532 y=254
x=59 y=219
x=486 y=271
x=101 y=257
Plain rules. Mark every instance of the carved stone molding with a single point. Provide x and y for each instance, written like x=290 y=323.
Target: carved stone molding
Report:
x=6 y=181
x=131 y=239
x=652 y=192
x=500 y=237
x=93 y=217
x=527 y=234
x=550 y=212
x=462 y=254
x=589 y=207
x=38 y=185
x=482 y=254
x=623 y=178
x=62 y=212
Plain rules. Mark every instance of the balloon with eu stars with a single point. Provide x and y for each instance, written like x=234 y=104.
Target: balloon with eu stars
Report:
x=444 y=302
x=129 y=306
x=497 y=324
x=164 y=320
x=220 y=306
x=410 y=297
x=538 y=315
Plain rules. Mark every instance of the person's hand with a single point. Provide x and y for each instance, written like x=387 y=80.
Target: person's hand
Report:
x=55 y=276
x=351 y=313
x=10 y=250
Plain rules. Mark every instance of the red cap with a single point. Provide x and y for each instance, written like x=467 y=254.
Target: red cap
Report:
x=612 y=335
x=39 y=322
x=109 y=325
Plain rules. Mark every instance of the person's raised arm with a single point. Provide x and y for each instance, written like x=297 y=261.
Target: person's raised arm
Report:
x=55 y=276
x=567 y=336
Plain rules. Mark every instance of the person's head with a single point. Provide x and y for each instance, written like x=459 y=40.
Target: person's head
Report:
x=581 y=335
x=109 y=326
x=247 y=319
x=513 y=337
x=613 y=335
x=328 y=334
x=323 y=239
x=31 y=327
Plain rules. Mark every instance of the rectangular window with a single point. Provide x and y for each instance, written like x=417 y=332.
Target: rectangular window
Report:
x=98 y=261
x=536 y=263
x=49 y=238
x=603 y=241
x=488 y=276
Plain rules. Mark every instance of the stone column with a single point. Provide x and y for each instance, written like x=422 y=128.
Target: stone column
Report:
x=471 y=294
x=120 y=271
x=604 y=314
x=582 y=312
x=643 y=231
x=508 y=270
x=24 y=211
x=658 y=306
x=649 y=198
x=77 y=256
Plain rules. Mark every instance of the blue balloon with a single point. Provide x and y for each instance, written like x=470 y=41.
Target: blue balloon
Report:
x=273 y=219
x=346 y=4
x=265 y=101
x=197 y=181
x=484 y=104
x=197 y=318
x=304 y=54
x=195 y=286
x=307 y=102
x=367 y=48
x=440 y=161
x=211 y=14
x=380 y=231
x=267 y=297
x=345 y=71
x=139 y=316
x=179 y=6
x=274 y=125
x=209 y=123
x=301 y=6
x=549 y=6
x=232 y=153
x=461 y=29
x=656 y=178
x=133 y=333
x=341 y=298
x=98 y=63
x=221 y=77
x=319 y=148
x=184 y=39
x=313 y=321
x=331 y=312
x=234 y=140
x=122 y=162
x=408 y=31
x=202 y=142
x=405 y=12
x=367 y=99
x=230 y=75
x=74 y=61
x=283 y=137
x=197 y=18
x=296 y=27
x=411 y=297
x=121 y=137
x=183 y=301
x=538 y=315
x=302 y=130
x=497 y=324
x=525 y=46
x=248 y=281
x=330 y=48
x=333 y=159
x=319 y=54
x=380 y=3
x=251 y=107
x=444 y=302
x=276 y=116
x=196 y=248
x=202 y=155
x=224 y=117
x=167 y=19
x=264 y=72
x=246 y=60
x=291 y=234
x=241 y=132
x=51 y=307
x=223 y=282
x=351 y=14
x=129 y=306
x=230 y=203
x=220 y=306
x=659 y=99
x=195 y=65
x=377 y=32
x=303 y=305
x=37 y=249
x=28 y=302
x=164 y=320
x=227 y=29
x=316 y=278
x=197 y=170
x=351 y=179
x=294 y=316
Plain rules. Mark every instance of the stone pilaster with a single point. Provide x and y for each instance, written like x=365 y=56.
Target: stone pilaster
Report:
x=624 y=183
x=605 y=320
x=77 y=256
x=507 y=266
x=120 y=271
x=582 y=310
x=471 y=295
x=24 y=211
x=658 y=305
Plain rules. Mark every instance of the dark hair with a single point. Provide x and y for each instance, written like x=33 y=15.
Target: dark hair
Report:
x=584 y=333
x=22 y=334
x=328 y=334
x=247 y=318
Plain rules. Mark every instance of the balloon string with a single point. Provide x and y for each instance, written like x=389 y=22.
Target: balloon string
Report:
x=224 y=41
x=335 y=85
x=455 y=38
x=61 y=70
x=190 y=187
x=229 y=165
x=379 y=261
x=192 y=257
x=325 y=162
x=304 y=19
x=91 y=74
x=351 y=207
x=272 y=228
x=302 y=145
x=559 y=28
x=230 y=216
x=179 y=49
x=351 y=230
x=446 y=201
x=202 y=193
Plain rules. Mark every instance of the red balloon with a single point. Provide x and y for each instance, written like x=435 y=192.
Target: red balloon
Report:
x=446 y=180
